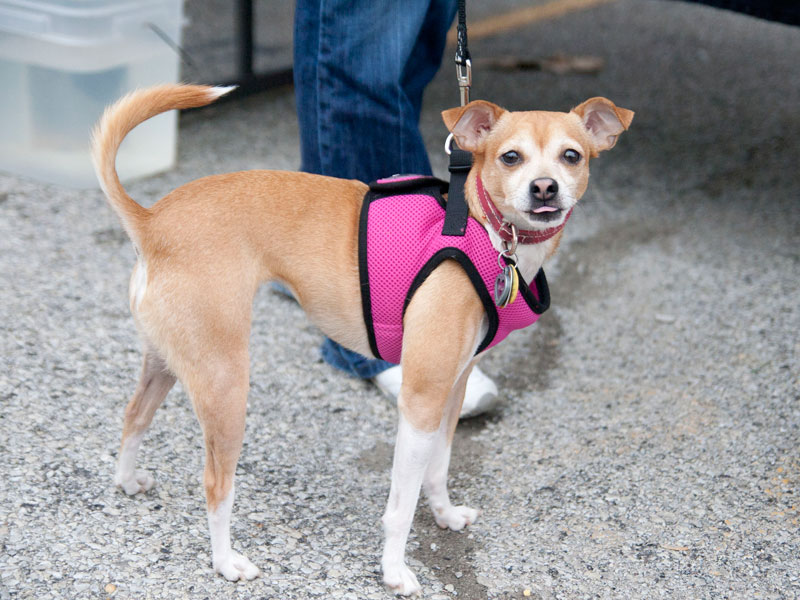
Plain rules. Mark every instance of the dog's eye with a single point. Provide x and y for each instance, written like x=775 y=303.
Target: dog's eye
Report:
x=571 y=156
x=511 y=158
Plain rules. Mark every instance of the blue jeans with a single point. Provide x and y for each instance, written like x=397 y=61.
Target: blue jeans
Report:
x=360 y=69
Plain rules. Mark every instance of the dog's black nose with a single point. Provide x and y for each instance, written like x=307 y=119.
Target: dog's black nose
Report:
x=544 y=188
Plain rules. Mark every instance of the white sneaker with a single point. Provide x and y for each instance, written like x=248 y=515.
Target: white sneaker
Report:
x=389 y=381
x=481 y=394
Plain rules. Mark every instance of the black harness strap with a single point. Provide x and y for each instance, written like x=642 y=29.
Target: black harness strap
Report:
x=457 y=210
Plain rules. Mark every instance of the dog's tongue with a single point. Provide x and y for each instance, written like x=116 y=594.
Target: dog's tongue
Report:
x=544 y=209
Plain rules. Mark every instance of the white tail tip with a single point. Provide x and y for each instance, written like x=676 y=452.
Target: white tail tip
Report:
x=220 y=90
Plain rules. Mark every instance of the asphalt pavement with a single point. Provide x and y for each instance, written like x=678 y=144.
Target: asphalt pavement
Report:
x=647 y=440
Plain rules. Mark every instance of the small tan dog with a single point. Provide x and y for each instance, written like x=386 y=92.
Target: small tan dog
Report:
x=204 y=249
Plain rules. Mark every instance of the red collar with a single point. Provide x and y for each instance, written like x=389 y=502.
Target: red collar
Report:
x=503 y=227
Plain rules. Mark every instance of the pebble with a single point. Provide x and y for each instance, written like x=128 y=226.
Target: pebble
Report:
x=665 y=318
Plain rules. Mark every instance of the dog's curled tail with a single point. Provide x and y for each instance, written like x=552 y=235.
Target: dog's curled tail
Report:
x=118 y=120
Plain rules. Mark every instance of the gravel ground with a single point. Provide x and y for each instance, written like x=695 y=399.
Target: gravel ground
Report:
x=647 y=440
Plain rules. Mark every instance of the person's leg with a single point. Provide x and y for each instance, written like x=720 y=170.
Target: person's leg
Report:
x=351 y=362
x=360 y=72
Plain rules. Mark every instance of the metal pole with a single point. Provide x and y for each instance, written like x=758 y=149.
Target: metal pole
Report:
x=244 y=26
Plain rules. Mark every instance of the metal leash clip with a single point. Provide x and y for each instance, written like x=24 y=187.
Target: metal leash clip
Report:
x=463 y=64
x=464 y=77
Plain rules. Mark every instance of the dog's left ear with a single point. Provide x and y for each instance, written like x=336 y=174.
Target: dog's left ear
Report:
x=603 y=121
x=469 y=124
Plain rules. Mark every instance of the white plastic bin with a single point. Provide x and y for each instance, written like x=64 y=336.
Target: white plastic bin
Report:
x=62 y=62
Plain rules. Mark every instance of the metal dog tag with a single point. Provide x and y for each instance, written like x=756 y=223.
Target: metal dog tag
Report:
x=506 y=286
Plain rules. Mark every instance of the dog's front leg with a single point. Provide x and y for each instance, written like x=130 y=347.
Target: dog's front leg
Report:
x=421 y=456
x=436 y=356
x=412 y=454
x=446 y=515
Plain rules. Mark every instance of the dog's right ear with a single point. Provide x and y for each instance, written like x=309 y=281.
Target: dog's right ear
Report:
x=469 y=124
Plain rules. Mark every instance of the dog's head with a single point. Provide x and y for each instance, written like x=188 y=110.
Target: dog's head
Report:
x=535 y=165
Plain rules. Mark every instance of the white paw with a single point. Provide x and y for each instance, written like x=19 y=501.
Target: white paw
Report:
x=401 y=580
x=455 y=517
x=234 y=566
x=135 y=483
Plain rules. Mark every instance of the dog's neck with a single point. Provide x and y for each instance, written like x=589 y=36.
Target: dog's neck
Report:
x=531 y=256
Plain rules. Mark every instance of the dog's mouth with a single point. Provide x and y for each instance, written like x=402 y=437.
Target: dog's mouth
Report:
x=545 y=214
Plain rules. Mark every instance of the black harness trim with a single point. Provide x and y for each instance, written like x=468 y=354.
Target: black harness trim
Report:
x=417 y=185
x=462 y=259
x=428 y=186
x=540 y=281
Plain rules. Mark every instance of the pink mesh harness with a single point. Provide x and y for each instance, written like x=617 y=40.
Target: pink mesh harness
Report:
x=401 y=243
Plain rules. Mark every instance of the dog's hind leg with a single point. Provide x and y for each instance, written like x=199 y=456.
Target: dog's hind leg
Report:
x=155 y=382
x=203 y=333
x=219 y=391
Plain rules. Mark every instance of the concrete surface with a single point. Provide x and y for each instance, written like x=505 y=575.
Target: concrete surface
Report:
x=646 y=443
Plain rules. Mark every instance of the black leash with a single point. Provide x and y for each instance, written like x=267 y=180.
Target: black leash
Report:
x=463 y=60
